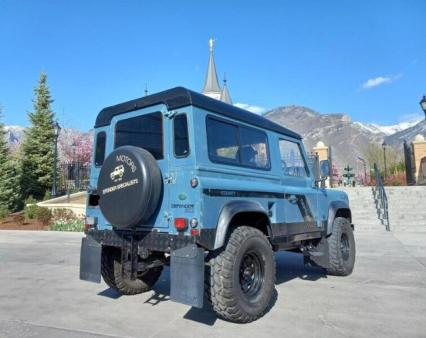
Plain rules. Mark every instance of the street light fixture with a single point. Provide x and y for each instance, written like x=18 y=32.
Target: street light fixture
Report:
x=423 y=104
x=384 y=145
x=75 y=164
x=56 y=132
x=73 y=149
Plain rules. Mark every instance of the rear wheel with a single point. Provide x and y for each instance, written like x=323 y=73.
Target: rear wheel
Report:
x=341 y=245
x=240 y=280
x=112 y=274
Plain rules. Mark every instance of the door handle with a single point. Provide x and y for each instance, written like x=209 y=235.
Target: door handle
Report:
x=292 y=199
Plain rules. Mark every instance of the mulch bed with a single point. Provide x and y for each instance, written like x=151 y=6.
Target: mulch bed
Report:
x=9 y=223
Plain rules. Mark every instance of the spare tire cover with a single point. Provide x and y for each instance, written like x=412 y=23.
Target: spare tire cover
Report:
x=129 y=186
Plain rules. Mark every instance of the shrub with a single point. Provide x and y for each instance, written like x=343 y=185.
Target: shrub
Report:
x=18 y=219
x=4 y=211
x=30 y=200
x=63 y=215
x=30 y=211
x=44 y=215
x=47 y=196
x=76 y=225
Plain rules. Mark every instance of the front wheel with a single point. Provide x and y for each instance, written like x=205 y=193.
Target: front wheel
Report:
x=240 y=279
x=341 y=244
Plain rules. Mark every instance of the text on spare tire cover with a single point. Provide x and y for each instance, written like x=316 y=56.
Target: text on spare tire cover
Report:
x=117 y=174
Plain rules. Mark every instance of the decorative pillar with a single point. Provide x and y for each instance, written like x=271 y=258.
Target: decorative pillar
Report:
x=322 y=151
x=419 y=159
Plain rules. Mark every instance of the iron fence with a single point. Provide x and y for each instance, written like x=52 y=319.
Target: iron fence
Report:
x=381 y=199
x=72 y=177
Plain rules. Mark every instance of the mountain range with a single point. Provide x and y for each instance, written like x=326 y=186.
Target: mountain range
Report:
x=348 y=139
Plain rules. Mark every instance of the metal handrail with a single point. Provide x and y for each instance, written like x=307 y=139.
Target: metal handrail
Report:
x=381 y=199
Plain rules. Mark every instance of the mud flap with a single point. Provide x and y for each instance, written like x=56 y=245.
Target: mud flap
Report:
x=90 y=260
x=319 y=255
x=187 y=276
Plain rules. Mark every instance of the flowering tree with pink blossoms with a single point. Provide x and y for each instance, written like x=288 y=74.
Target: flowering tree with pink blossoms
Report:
x=75 y=147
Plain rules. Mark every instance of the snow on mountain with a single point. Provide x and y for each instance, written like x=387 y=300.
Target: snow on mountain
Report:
x=387 y=130
x=14 y=136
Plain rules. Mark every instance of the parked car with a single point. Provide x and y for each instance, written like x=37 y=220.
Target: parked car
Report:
x=213 y=191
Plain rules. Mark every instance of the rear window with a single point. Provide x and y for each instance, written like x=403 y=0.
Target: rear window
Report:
x=144 y=131
x=236 y=144
x=100 y=148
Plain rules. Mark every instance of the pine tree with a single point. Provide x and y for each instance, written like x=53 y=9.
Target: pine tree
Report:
x=37 y=147
x=9 y=173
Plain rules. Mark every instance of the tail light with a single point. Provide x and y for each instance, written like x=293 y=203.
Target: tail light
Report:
x=90 y=222
x=87 y=227
x=181 y=224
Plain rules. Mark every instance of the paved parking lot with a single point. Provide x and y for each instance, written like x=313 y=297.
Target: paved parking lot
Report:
x=41 y=295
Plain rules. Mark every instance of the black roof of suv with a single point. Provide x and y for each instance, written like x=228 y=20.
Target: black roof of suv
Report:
x=181 y=97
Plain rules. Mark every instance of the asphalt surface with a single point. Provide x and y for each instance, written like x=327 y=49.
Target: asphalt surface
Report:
x=41 y=295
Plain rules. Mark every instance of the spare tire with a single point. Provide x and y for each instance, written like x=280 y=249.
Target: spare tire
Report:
x=129 y=186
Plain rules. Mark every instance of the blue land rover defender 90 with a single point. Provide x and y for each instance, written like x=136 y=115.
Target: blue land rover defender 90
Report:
x=212 y=190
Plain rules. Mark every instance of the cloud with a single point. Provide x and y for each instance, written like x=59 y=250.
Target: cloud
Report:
x=380 y=80
x=254 y=109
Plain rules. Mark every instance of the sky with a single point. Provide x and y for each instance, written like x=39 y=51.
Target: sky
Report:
x=363 y=58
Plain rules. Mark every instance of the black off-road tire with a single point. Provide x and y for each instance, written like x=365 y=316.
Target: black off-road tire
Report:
x=223 y=284
x=112 y=274
x=341 y=244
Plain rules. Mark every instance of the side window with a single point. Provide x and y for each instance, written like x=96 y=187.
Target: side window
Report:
x=254 y=148
x=180 y=132
x=100 y=148
x=144 y=131
x=292 y=161
x=236 y=144
x=223 y=141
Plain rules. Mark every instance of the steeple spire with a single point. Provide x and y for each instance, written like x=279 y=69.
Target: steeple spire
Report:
x=211 y=84
x=224 y=96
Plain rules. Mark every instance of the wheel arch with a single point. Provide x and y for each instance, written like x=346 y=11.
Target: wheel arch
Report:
x=337 y=209
x=235 y=213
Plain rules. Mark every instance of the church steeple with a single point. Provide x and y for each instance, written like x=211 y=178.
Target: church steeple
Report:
x=224 y=96
x=211 y=84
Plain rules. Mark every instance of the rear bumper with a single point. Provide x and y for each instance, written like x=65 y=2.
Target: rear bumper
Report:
x=187 y=259
x=152 y=240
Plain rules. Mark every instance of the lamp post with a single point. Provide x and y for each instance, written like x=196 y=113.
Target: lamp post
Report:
x=364 y=165
x=56 y=131
x=384 y=145
x=74 y=164
x=423 y=104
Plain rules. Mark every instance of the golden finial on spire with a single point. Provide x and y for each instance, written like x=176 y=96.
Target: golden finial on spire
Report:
x=211 y=42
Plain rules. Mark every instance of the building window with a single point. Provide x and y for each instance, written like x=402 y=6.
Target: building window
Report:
x=292 y=161
x=180 y=133
x=144 y=131
x=235 y=144
x=100 y=148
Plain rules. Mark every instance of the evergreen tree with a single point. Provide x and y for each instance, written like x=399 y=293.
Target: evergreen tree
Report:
x=37 y=147
x=9 y=173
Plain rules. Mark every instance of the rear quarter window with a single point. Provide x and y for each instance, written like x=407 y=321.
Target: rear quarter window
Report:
x=180 y=134
x=100 y=148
